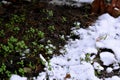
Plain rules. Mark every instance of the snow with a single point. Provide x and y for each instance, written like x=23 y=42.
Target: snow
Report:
x=109 y=70
x=16 y=77
x=76 y=3
x=107 y=60
x=97 y=66
x=77 y=60
x=113 y=78
x=84 y=70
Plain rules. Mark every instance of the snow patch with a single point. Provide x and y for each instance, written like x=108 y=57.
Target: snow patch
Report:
x=16 y=77
x=107 y=58
x=77 y=3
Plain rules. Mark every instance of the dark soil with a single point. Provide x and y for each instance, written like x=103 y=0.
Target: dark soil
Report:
x=37 y=16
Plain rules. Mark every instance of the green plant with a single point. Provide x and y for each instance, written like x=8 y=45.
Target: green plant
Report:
x=49 y=65
x=30 y=33
x=17 y=19
x=64 y=19
x=16 y=29
x=5 y=48
x=11 y=46
x=31 y=65
x=8 y=48
x=97 y=73
x=12 y=39
x=2 y=33
x=21 y=71
x=21 y=63
x=42 y=62
x=49 y=48
x=41 y=47
x=31 y=30
x=21 y=45
x=51 y=28
x=50 y=13
x=11 y=43
x=14 y=20
x=41 y=34
x=10 y=26
x=87 y=57
x=77 y=24
x=62 y=37
x=2 y=68
x=8 y=73
x=34 y=43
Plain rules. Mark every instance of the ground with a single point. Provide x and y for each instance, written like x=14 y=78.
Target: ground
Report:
x=29 y=29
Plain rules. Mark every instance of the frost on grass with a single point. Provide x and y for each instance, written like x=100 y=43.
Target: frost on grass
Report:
x=82 y=56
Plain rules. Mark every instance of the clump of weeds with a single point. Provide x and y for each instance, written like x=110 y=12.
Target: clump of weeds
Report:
x=20 y=47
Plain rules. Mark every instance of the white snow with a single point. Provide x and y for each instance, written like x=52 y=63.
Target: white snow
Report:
x=107 y=58
x=97 y=66
x=104 y=33
x=109 y=70
x=16 y=77
x=85 y=72
x=76 y=3
x=113 y=78
x=83 y=1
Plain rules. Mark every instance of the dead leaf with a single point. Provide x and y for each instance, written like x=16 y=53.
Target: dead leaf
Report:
x=67 y=76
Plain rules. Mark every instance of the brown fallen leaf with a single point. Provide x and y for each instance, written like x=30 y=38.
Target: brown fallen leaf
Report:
x=67 y=76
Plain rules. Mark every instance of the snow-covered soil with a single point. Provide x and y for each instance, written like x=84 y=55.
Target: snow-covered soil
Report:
x=82 y=58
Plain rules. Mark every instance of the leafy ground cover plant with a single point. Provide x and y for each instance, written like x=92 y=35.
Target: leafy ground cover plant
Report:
x=28 y=30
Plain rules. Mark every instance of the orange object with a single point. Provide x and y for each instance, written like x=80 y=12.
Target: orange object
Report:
x=101 y=6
